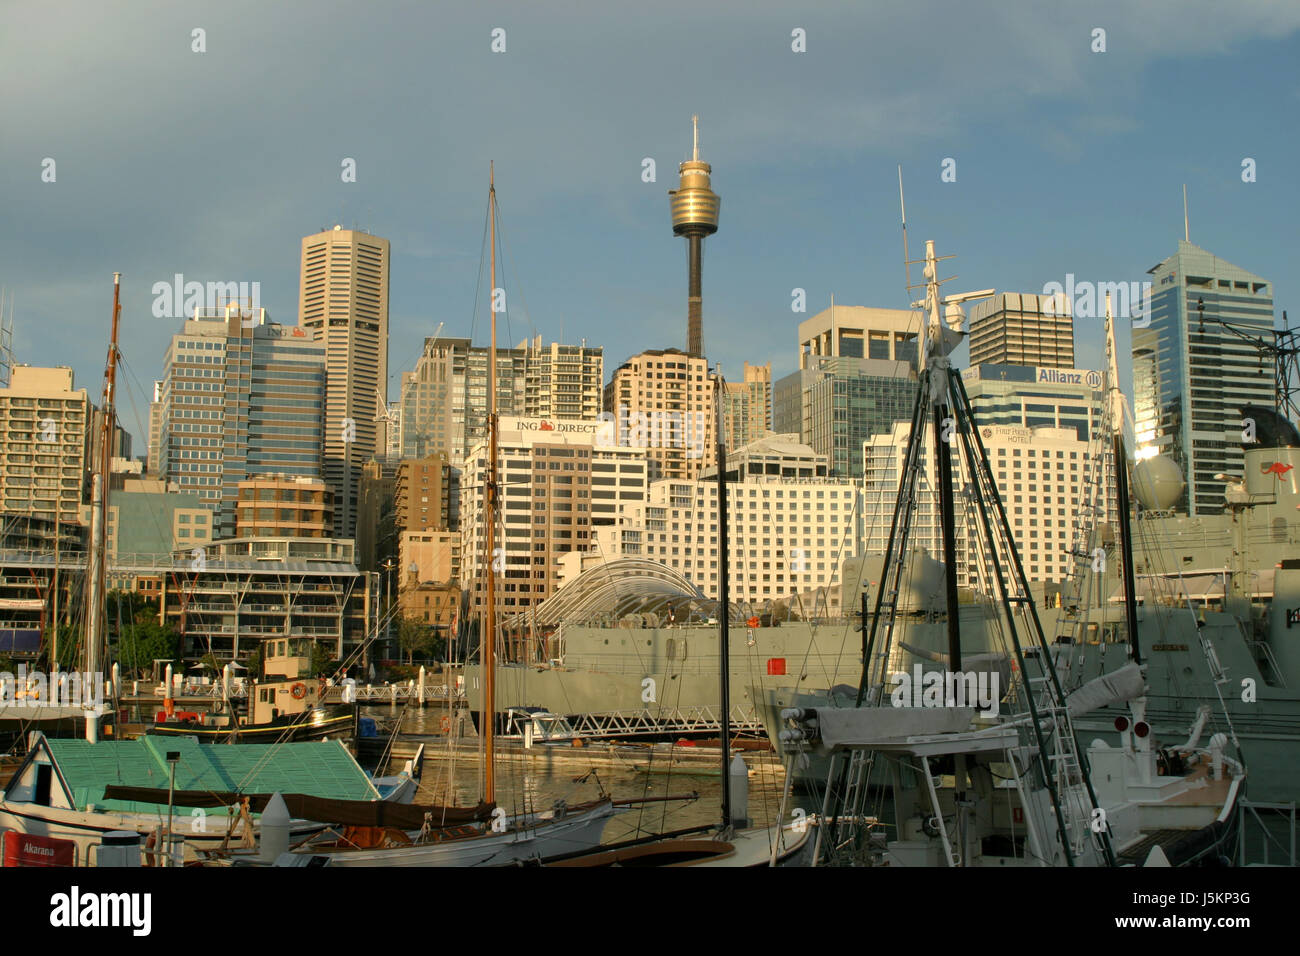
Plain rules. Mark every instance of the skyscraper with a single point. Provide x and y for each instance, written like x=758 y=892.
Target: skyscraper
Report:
x=443 y=406
x=241 y=397
x=856 y=378
x=343 y=300
x=43 y=461
x=663 y=400
x=1015 y=328
x=747 y=406
x=1192 y=375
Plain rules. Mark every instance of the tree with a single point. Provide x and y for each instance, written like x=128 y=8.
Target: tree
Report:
x=322 y=659
x=415 y=636
x=136 y=638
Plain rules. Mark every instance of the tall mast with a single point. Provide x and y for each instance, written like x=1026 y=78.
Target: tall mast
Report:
x=1115 y=421
x=96 y=570
x=724 y=610
x=487 y=640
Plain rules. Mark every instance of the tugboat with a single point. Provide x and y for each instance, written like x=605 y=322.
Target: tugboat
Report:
x=285 y=704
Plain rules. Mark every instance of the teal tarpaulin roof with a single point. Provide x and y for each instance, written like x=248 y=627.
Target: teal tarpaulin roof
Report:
x=322 y=768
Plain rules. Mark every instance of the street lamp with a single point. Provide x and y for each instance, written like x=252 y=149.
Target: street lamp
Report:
x=388 y=566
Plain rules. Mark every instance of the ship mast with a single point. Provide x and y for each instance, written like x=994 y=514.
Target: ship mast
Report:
x=96 y=569
x=487 y=639
x=1115 y=422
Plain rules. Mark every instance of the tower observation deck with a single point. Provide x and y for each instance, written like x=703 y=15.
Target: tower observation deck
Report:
x=695 y=215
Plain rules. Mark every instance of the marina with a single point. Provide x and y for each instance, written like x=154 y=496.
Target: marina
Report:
x=487 y=439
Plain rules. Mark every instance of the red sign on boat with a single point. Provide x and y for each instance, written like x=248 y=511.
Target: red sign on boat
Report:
x=22 y=849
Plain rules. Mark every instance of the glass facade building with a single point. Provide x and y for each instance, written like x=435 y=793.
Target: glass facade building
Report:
x=1191 y=375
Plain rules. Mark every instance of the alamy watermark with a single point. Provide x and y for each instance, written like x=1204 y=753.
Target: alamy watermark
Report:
x=948 y=689
x=179 y=299
x=1087 y=300
x=60 y=689
x=660 y=429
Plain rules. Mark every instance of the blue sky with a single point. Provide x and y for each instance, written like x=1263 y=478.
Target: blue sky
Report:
x=215 y=164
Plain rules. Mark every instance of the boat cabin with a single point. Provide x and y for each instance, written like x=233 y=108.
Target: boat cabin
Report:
x=286 y=687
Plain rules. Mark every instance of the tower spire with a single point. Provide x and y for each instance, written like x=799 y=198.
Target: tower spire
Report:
x=694 y=208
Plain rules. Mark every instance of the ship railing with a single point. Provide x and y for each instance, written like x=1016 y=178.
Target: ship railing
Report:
x=1255 y=833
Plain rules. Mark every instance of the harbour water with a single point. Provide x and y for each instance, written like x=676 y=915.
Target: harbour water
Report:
x=534 y=779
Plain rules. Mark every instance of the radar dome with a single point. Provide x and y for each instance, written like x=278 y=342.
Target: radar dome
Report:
x=1158 y=482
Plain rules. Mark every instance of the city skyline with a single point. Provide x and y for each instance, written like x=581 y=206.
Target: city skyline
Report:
x=1085 y=148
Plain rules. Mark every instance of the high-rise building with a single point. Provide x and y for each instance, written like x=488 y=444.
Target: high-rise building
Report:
x=43 y=460
x=427 y=494
x=747 y=406
x=1041 y=475
x=1022 y=328
x=444 y=398
x=155 y=429
x=860 y=332
x=560 y=482
x=856 y=377
x=835 y=404
x=377 y=532
x=664 y=401
x=694 y=206
x=562 y=381
x=343 y=300
x=241 y=398
x=1192 y=375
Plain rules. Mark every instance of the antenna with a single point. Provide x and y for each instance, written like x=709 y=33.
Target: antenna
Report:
x=902 y=210
x=1186 y=232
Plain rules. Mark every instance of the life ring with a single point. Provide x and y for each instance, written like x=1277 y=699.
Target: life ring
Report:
x=445 y=723
x=299 y=691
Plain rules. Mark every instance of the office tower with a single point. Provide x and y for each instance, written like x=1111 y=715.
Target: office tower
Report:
x=859 y=332
x=1041 y=475
x=747 y=406
x=242 y=398
x=444 y=398
x=343 y=300
x=43 y=459
x=1192 y=375
x=1021 y=328
x=1035 y=396
x=856 y=377
x=275 y=506
x=694 y=208
x=558 y=486
x=663 y=401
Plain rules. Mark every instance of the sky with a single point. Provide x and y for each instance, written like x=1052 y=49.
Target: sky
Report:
x=214 y=163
